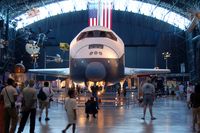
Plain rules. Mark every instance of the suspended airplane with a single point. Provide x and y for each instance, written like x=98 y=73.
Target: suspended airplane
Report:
x=56 y=58
x=97 y=54
x=195 y=18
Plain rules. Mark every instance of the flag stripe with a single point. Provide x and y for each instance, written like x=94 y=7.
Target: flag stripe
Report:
x=100 y=13
x=106 y=15
x=111 y=18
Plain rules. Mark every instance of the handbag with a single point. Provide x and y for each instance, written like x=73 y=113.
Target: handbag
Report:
x=12 y=103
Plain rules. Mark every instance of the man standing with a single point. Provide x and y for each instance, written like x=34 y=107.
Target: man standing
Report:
x=195 y=104
x=148 y=98
x=45 y=103
x=28 y=107
x=181 y=90
x=190 y=90
x=9 y=94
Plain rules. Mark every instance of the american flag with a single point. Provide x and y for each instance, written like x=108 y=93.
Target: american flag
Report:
x=93 y=14
x=100 y=13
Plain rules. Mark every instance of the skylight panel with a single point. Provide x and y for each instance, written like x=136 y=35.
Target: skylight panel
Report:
x=133 y=6
x=146 y=9
x=122 y=5
x=80 y=5
x=44 y=13
x=67 y=6
x=53 y=9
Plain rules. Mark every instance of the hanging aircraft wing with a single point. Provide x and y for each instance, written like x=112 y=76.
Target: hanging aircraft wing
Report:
x=144 y=71
x=61 y=72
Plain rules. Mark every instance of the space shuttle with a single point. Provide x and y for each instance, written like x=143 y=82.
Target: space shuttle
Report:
x=97 y=54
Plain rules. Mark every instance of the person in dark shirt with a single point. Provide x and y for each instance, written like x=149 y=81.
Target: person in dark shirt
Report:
x=95 y=95
x=1 y=86
x=91 y=107
x=124 y=87
x=1 y=109
x=195 y=104
x=118 y=87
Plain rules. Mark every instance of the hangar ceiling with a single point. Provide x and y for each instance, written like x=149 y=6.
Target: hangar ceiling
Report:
x=183 y=7
x=17 y=7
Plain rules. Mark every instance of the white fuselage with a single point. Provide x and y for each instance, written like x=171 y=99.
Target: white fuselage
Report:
x=97 y=54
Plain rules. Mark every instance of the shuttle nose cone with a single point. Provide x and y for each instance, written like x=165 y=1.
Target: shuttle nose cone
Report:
x=95 y=71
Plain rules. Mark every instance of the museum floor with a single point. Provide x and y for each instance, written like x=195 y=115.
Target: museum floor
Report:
x=172 y=115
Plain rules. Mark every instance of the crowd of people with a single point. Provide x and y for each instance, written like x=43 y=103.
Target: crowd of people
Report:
x=25 y=99
x=17 y=103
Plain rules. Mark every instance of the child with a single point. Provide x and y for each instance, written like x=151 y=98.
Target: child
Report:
x=70 y=107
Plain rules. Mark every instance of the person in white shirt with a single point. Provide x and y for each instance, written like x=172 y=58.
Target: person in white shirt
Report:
x=45 y=104
x=190 y=90
x=181 y=91
x=148 y=98
x=70 y=107
x=9 y=95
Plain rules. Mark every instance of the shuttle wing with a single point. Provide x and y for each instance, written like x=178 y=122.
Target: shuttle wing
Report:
x=61 y=72
x=144 y=71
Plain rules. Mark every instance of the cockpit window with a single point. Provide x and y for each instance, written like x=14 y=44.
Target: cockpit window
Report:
x=97 y=33
x=81 y=36
x=111 y=36
x=90 y=34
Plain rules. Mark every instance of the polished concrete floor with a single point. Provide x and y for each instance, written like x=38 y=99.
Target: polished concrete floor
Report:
x=172 y=115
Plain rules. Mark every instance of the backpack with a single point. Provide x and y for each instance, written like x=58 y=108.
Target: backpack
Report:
x=41 y=95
